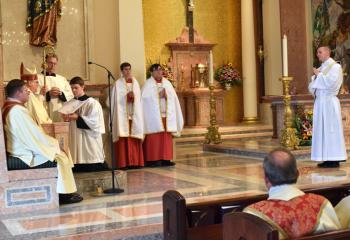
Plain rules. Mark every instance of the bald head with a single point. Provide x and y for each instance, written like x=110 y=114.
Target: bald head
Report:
x=323 y=53
x=280 y=167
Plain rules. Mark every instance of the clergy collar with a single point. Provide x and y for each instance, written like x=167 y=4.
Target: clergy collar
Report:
x=328 y=61
x=284 y=192
x=158 y=81
x=82 y=98
x=10 y=99
x=49 y=74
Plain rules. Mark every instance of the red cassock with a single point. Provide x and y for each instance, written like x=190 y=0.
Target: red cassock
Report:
x=158 y=146
x=128 y=151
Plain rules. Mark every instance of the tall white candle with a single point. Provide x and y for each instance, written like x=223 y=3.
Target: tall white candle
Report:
x=285 y=55
x=211 y=68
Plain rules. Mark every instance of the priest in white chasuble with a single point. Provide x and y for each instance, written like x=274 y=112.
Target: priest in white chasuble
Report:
x=57 y=89
x=35 y=104
x=86 y=126
x=328 y=145
x=127 y=120
x=162 y=118
x=27 y=141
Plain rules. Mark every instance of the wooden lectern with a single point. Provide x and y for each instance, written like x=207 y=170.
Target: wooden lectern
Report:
x=60 y=131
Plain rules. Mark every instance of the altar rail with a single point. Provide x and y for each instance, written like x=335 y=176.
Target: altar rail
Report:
x=203 y=220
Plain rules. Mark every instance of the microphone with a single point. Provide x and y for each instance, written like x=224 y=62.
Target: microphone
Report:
x=112 y=190
x=101 y=66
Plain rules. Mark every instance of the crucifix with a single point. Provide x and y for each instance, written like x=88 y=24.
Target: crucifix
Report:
x=189 y=15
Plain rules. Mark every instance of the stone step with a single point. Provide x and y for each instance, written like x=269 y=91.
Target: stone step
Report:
x=196 y=135
x=87 y=182
x=192 y=132
x=224 y=137
x=255 y=148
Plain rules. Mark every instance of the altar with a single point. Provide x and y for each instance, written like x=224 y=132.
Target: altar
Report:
x=191 y=63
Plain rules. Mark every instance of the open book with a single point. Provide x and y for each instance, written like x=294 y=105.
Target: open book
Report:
x=71 y=106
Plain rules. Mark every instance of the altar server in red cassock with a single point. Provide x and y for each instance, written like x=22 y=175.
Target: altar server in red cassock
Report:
x=127 y=122
x=162 y=118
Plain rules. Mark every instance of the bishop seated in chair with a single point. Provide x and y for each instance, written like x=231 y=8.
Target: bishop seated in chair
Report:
x=26 y=141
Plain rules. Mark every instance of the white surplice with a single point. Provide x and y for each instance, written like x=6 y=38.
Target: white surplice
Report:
x=122 y=111
x=55 y=103
x=155 y=108
x=86 y=145
x=27 y=141
x=327 y=138
x=35 y=106
x=328 y=219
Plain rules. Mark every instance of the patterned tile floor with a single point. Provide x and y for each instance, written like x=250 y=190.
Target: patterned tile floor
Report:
x=137 y=213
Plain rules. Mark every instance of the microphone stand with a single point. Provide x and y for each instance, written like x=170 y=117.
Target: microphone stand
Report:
x=112 y=190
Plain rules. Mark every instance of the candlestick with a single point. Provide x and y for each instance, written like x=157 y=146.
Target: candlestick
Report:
x=211 y=68
x=285 y=55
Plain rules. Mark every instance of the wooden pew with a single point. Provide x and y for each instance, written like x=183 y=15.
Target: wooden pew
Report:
x=244 y=226
x=195 y=220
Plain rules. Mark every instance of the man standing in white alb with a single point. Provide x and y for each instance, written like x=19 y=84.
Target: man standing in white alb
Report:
x=57 y=89
x=86 y=126
x=328 y=143
x=162 y=118
x=127 y=120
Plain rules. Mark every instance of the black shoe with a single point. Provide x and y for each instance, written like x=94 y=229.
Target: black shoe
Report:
x=168 y=163
x=69 y=198
x=153 y=164
x=328 y=164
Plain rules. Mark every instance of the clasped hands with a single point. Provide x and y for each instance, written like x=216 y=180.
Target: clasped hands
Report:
x=54 y=92
x=130 y=97
x=316 y=71
x=162 y=93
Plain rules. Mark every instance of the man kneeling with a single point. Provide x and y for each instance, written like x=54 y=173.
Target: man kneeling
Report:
x=28 y=142
x=292 y=212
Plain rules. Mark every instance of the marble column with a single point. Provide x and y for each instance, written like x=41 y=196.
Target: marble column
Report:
x=131 y=37
x=273 y=56
x=248 y=62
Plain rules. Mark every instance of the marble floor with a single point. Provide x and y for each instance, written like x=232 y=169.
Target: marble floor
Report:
x=137 y=213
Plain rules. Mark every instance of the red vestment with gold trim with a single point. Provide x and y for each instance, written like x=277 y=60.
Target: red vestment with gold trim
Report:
x=294 y=218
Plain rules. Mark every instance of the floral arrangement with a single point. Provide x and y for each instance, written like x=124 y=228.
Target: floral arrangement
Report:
x=303 y=124
x=227 y=75
x=167 y=73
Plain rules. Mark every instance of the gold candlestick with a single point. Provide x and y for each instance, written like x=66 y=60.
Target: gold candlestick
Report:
x=288 y=137
x=213 y=135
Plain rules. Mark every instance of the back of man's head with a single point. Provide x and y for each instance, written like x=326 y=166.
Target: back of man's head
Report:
x=280 y=167
x=13 y=86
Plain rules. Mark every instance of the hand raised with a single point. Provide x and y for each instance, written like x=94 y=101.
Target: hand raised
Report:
x=54 y=92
